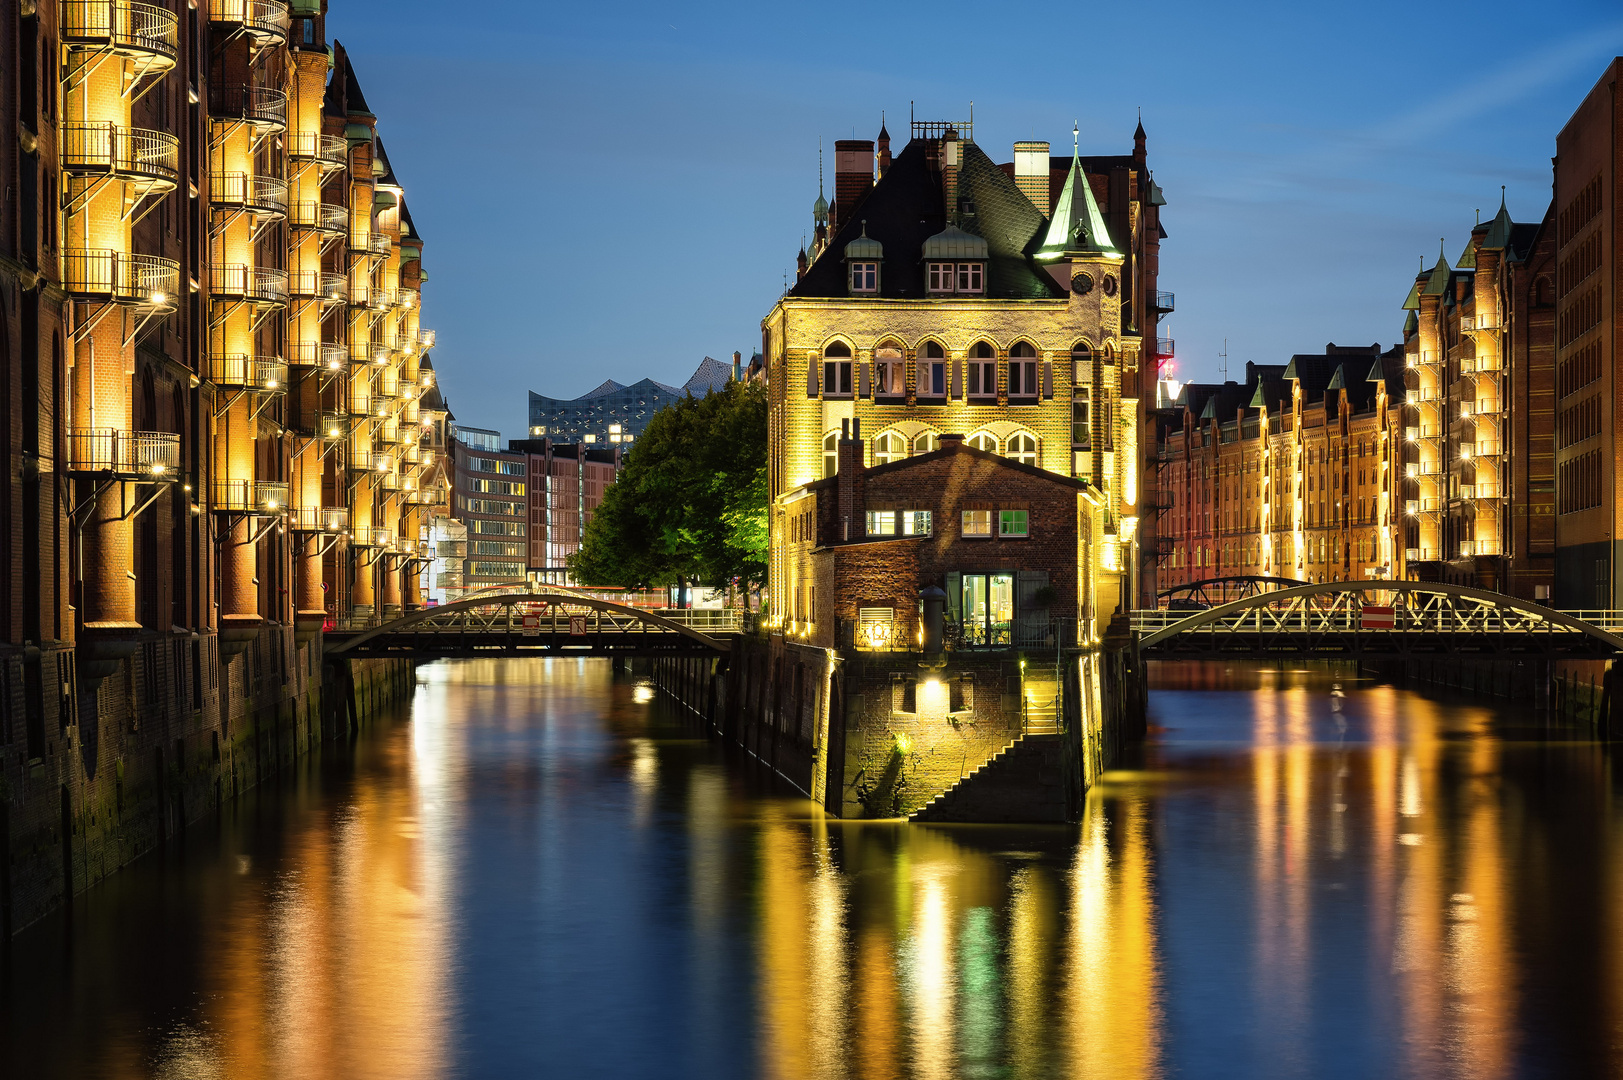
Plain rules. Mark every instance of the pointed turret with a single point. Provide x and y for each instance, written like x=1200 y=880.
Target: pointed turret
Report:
x=1139 y=153
x=820 y=207
x=1437 y=283
x=1498 y=237
x=882 y=146
x=1077 y=227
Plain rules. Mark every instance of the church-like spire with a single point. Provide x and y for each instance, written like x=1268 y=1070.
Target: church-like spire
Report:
x=1437 y=284
x=1498 y=237
x=1077 y=225
x=820 y=207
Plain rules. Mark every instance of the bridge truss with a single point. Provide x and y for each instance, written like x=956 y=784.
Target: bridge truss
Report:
x=539 y=624
x=1375 y=620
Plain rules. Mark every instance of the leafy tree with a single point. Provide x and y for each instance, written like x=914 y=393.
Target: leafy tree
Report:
x=690 y=502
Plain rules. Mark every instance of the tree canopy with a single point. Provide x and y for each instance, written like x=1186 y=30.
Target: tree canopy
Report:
x=690 y=501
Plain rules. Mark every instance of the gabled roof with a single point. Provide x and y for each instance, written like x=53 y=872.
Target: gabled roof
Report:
x=1467 y=259
x=1077 y=224
x=959 y=447
x=905 y=208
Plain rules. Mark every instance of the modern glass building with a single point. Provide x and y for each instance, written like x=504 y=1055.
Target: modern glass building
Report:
x=615 y=413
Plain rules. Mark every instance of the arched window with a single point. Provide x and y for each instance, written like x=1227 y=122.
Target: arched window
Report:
x=831 y=453
x=1023 y=448
x=889 y=371
x=926 y=443
x=837 y=370
x=1081 y=363
x=932 y=370
x=983 y=440
x=983 y=370
x=1023 y=370
x=888 y=446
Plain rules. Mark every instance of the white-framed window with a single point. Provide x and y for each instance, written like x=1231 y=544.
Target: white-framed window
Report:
x=888 y=446
x=1081 y=418
x=926 y=443
x=916 y=522
x=1012 y=522
x=890 y=375
x=977 y=523
x=1022 y=378
x=969 y=277
x=964 y=277
x=831 y=453
x=940 y=276
x=932 y=378
x=983 y=440
x=1023 y=448
x=983 y=378
x=881 y=523
x=864 y=277
x=837 y=370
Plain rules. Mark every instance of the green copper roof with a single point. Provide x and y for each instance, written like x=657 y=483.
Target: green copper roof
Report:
x=953 y=243
x=1498 y=237
x=1338 y=381
x=864 y=246
x=1077 y=225
x=1437 y=284
x=1155 y=196
x=1467 y=259
x=1411 y=324
x=1257 y=400
x=1376 y=373
x=1412 y=301
x=1210 y=411
x=1291 y=374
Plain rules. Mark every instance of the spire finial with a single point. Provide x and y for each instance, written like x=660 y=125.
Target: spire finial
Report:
x=1501 y=196
x=819 y=166
x=1076 y=138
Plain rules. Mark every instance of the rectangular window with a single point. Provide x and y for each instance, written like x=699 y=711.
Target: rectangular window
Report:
x=969 y=277
x=1080 y=419
x=1011 y=523
x=977 y=523
x=864 y=277
x=837 y=378
x=881 y=523
x=890 y=377
x=940 y=277
x=1022 y=378
x=933 y=379
x=915 y=523
x=983 y=378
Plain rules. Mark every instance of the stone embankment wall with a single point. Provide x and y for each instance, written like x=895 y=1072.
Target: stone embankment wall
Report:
x=1574 y=693
x=92 y=776
x=878 y=735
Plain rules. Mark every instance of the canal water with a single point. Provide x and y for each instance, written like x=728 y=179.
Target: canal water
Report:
x=539 y=872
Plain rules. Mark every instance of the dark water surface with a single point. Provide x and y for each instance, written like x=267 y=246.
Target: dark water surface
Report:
x=540 y=873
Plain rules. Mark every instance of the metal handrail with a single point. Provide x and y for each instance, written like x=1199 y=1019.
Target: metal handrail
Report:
x=1165 y=302
x=255 y=104
x=250 y=496
x=320 y=354
x=123 y=453
x=314 y=146
x=126 y=151
x=331 y=519
x=264 y=373
x=266 y=194
x=319 y=283
x=380 y=244
x=262 y=283
x=1163 y=348
x=139 y=279
x=322 y=217
x=358 y=458
x=124 y=25
x=371 y=536
x=333 y=425
x=425 y=339
x=267 y=18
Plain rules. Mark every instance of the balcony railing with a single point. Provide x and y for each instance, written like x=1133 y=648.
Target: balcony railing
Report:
x=358 y=459
x=327 y=519
x=136 y=153
x=1163 y=348
x=1471 y=324
x=1421 y=554
x=1428 y=505
x=262 y=284
x=1165 y=302
x=133 y=454
x=319 y=354
x=250 y=496
x=133 y=279
x=425 y=339
x=263 y=106
x=371 y=536
x=334 y=426
x=143 y=30
x=264 y=19
x=261 y=194
x=406 y=298
x=264 y=373
x=323 y=217
x=380 y=244
x=333 y=288
x=380 y=299
x=360 y=401
x=314 y=146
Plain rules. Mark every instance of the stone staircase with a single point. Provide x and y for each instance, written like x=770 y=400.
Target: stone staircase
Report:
x=1024 y=782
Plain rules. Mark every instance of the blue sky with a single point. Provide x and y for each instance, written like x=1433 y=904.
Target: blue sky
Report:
x=617 y=190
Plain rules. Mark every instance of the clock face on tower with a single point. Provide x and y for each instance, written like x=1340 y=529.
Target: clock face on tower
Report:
x=1081 y=284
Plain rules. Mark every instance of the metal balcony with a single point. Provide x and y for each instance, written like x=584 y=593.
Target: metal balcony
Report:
x=1419 y=554
x=143 y=455
x=142 y=32
x=264 y=107
x=258 y=284
x=389 y=481
x=358 y=458
x=317 y=354
x=1163 y=348
x=313 y=146
x=425 y=339
x=267 y=374
x=265 y=21
x=360 y=401
x=1473 y=324
x=266 y=195
x=1165 y=303
x=380 y=299
x=380 y=244
x=332 y=288
x=250 y=497
x=136 y=154
x=406 y=298
x=319 y=519
x=371 y=536
x=327 y=218
x=112 y=275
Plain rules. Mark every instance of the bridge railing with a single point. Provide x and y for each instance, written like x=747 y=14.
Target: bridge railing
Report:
x=1340 y=617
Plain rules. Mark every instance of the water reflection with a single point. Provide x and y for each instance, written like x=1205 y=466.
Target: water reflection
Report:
x=541 y=872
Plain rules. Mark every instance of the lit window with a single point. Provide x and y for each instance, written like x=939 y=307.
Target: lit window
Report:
x=890 y=373
x=864 y=277
x=831 y=453
x=1011 y=522
x=940 y=274
x=983 y=440
x=926 y=443
x=881 y=523
x=1023 y=448
x=977 y=523
x=888 y=446
x=915 y=523
x=1080 y=418
x=969 y=277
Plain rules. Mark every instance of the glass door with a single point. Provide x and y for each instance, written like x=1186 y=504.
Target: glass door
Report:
x=988 y=609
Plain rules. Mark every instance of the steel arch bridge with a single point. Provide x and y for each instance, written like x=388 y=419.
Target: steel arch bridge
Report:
x=1376 y=620
x=1221 y=590
x=538 y=624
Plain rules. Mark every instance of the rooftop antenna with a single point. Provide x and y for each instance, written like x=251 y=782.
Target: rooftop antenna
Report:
x=1223 y=367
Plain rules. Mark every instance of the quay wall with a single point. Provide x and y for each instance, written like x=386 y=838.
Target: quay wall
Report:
x=1574 y=693
x=95 y=774
x=878 y=735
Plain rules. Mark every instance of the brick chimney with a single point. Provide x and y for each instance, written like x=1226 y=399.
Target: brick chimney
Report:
x=851 y=501
x=951 y=153
x=853 y=176
x=1031 y=169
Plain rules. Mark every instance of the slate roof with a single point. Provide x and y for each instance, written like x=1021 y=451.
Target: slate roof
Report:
x=387 y=176
x=344 y=95
x=408 y=227
x=905 y=208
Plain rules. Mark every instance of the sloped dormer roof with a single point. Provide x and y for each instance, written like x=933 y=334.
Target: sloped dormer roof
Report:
x=1077 y=225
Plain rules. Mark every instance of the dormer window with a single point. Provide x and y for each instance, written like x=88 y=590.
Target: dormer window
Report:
x=969 y=277
x=864 y=277
x=862 y=258
x=966 y=278
x=955 y=263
